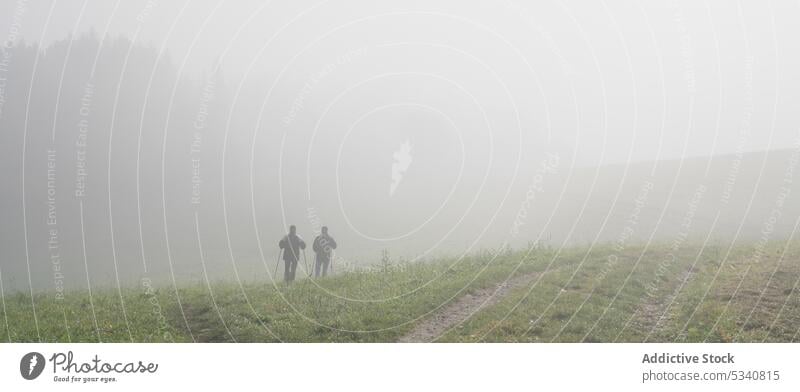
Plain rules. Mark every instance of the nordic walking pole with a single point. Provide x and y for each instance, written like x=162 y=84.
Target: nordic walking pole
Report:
x=306 y=262
x=277 y=262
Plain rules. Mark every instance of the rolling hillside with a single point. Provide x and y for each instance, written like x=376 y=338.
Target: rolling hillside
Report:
x=659 y=293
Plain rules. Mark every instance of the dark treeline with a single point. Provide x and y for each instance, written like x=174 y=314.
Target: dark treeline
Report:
x=85 y=124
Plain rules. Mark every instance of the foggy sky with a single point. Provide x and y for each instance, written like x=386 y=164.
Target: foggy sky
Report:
x=222 y=122
x=600 y=82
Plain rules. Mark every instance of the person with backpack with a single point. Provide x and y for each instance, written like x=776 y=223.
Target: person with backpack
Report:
x=323 y=246
x=291 y=245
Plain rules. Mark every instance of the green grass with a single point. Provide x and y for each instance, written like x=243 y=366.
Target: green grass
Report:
x=663 y=300
x=579 y=295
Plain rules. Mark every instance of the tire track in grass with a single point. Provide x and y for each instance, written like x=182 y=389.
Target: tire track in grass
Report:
x=461 y=309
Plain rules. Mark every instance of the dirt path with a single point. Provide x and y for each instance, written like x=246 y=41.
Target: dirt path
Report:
x=205 y=323
x=462 y=309
x=657 y=314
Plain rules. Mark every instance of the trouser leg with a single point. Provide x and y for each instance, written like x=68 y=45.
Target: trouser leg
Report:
x=325 y=267
x=287 y=271
x=293 y=269
x=317 y=263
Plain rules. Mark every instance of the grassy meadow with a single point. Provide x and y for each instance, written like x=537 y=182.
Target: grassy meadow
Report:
x=600 y=293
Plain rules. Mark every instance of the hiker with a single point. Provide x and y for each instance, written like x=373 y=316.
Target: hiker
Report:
x=323 y=245
x=291 y=244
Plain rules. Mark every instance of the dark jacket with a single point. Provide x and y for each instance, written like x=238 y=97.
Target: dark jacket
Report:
x=291 y=245
x=323 y=245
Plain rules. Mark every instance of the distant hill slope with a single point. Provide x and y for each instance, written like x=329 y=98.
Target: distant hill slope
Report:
x=723 y=198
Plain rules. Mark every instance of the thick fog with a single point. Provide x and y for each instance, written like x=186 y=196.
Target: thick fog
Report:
x=177 y=140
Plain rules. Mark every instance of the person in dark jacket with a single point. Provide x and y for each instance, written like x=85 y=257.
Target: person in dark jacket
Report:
x=291 y=244
x=323 y=245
